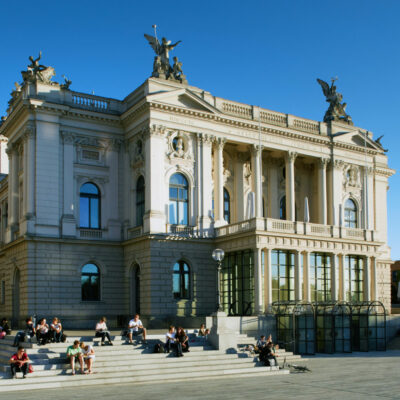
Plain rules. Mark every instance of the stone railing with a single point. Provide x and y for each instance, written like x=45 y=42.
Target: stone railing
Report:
x=239 y=227
x=294 y=228
x=135 y=232
x=238 y=110
x=271 y=117
x=92 y=102
x=90 y=233
x=306 y=125
x=318 y=230
x=181 y=230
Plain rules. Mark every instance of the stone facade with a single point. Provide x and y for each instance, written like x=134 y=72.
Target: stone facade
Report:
x=256 y=180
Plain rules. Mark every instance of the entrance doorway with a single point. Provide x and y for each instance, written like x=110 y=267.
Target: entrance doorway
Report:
x=134 y=291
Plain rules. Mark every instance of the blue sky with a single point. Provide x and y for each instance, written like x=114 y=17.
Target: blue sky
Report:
x=267 y=53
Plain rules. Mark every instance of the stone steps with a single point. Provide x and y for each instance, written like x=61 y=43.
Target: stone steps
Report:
x=117 y=378
x=123 y=363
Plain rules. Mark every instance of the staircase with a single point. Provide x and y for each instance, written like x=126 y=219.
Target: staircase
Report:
x=124 y=363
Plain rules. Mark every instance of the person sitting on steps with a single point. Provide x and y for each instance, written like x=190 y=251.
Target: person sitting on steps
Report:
x=203 y=332
x=136 y=328
x=19 y=362
x=42 y=332
x=28 y=333
x=56 y=330
x=268 y=356
x=261 y=343
x=75 y=352
x=88 y=356
x=182 y=339
x=102 y=331
x=171 y=342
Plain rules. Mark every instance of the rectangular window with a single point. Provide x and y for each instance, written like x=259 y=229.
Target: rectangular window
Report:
x=237 y=280
x=90 y=155
x=354 y=278
x=282 y=263
x=320 y=277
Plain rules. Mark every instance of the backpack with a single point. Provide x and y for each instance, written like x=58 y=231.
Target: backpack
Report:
x=159 y=348
x=63 y=338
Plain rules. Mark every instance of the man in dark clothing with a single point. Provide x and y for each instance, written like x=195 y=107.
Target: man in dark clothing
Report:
x=267 y=354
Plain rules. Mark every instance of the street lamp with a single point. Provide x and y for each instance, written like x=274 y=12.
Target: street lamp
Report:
x=218 y=256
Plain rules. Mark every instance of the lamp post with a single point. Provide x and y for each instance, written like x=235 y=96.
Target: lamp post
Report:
x=218 y=256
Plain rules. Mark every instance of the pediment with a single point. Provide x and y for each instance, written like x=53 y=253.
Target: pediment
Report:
x=357 y=138
x=183 y=98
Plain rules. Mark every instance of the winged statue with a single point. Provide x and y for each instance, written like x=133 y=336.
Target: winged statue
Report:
x=337 y=109
x=161 y=65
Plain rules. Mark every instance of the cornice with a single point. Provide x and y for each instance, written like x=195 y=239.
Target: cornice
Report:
x=289 y=133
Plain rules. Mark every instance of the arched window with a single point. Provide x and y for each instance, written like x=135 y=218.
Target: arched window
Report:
x=90 y=281
x=139 y=201
x=350 y=214
x=181 y=280
x=282 y=208
x=89 y=206
x=227 y=207
x=178 y=200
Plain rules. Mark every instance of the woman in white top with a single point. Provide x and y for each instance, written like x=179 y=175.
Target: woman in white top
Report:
x=89 y=356
x=102 y=331
x=42 y=332
x=56 y=330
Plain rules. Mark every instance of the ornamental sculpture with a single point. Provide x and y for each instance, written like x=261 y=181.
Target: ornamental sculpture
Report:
x=38 y=73
x=161 y=65
x=337 y=109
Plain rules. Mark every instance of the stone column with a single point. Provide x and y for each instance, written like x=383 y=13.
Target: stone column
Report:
x=68 y=217
x=369 y=197
x=256 y=178
x=258 y=282
x=335 y=192
x=205 y=182
x=367 y=279
x=322 y=191
x=154 y=217
x=297 y=275
x=13 y=188
x=268 y=278
x=239 y=186
x=334 y=277
x=306 y=276
x=290 y=186
x=219 y=183
x=374 y=279
x=273 y=184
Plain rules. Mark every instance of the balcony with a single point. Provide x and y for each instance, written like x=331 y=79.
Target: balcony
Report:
x=295 y=228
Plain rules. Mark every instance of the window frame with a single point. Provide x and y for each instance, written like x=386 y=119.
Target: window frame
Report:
x=90 y=196
x=181 y=273
x=176 y=201
x=350 y=214
x=140 y=204
x=227 y=201
x=90 y=275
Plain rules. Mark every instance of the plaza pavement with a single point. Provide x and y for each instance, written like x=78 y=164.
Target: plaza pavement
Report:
x=373 y=375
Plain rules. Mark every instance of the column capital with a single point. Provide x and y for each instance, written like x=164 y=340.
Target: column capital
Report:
x=323 y=162
x=155 y=130
x=29 y=132
x=256 y=150
x=220 y=143
x=291 y=156
x=205 y=138
x=338 y=164
x=68 y=137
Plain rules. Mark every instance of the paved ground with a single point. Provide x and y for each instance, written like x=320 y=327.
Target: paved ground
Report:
x=353 y=376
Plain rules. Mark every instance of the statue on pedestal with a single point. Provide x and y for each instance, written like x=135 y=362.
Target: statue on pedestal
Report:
x=37 y=72
x=161 y=65
x=337 y=109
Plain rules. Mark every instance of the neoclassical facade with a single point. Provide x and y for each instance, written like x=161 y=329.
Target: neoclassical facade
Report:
x=115 y=206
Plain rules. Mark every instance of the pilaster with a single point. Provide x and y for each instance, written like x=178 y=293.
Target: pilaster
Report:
x=290 y=186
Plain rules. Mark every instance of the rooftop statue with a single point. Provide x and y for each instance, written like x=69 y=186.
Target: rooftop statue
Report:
x=337 y=109
x=37 y=72
x=161 y=65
